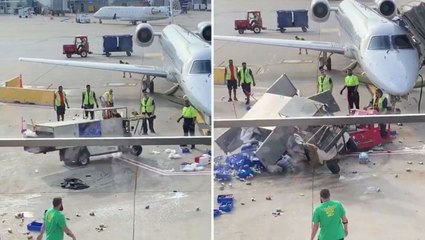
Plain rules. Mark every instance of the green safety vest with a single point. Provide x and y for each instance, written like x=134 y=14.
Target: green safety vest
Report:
x=147 y=106
x=324 y=84
x=58 y=99
x=228 y=72
x=380 y=101
x=245 y=76
x=189 y=112
x=88 y=98
x=107 y=96
x=351 y=81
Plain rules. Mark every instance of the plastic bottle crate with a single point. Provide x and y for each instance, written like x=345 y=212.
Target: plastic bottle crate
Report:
x=217 y=212
x=34 y=226
x=227 y=198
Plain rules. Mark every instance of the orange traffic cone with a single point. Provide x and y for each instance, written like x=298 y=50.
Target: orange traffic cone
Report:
x=20 y=80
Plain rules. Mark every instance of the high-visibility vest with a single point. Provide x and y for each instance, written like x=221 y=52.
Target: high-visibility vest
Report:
x=147 y=106
x=58 y=99
x=228 y=72
x=380 y=101
x=189 y=112
x=245 y=76
x=324 y=83
x=351 y=81
x=107 y=97
x=88 y=98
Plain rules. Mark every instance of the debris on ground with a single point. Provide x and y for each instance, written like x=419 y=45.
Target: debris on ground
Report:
x=242 y=203
x=276 y=214
x=147 y=207
x=100 y=228
x=269 y=198
x=248 y=183
x=9 y=230
x=29 y=237
x=421 y=163
x=279 y=210
x=198 y=209
x=19 y=215
x=396 y=176
x=408 y=170
x=3 y=214
x=77 y=215
x=91 y=214
x=69 y=219
x=302 y=194
x=409 y=162
x=363 y=158
x=74 y=184
x=120 y=209
x=225 y=202
x=253 y=200
x=192 y=167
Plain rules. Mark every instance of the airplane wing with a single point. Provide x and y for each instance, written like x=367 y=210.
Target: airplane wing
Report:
x=148 y=70
x=313 y=45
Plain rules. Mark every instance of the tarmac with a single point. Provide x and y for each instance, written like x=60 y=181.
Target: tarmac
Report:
x=395 y=211
x=134 y=197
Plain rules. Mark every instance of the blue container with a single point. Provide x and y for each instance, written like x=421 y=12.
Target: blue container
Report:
x=110 y=44
x=217 y=212
x=284 y=19
x=185 y=150
x=34 y=226
x=226 y=207
x=300 y=18
x=245 y=172
x=125 y=43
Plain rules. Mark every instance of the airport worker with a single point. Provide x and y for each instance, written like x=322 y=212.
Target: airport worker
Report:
x=324 y=82
x=379 y=103
x=301 y=39
x=88 y=101
x=59 y=101
x=230 y=75
x=351 y=84
x=122 y=62
x=147 y=109
x=54 y=223
x=245 y=78
x=330 y=216
x=189 y=119
x=107 y=100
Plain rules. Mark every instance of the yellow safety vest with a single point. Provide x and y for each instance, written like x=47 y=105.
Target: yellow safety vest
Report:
x=88 y=98
x=380 y=101
x=107 y=96
x=228 y=72
x=189 y=112
x=324 y=83
x=58 y=99
x=147 y=106
x=351 y=81
x=245 y=76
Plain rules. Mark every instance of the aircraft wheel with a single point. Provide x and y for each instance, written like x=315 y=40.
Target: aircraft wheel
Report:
x=84 y=157
x=136 y=150
x=240 y=31
x=257 y=29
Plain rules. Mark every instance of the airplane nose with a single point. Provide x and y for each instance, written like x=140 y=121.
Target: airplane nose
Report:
x=199 y=92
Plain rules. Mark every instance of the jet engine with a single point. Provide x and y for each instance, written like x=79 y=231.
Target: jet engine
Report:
x=386 y=8
x=144 y=35
x=205 y=31
x=155 y=10
x=320 y=10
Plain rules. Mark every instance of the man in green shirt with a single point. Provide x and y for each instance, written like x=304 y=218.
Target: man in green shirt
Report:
x=330 y=215
x=54 y=223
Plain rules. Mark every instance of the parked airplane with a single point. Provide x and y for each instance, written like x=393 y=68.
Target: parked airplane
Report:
x=187 y=61
x=381 y=48
x=132 y=14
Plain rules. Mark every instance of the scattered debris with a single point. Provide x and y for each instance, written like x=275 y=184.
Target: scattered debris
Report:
x=9 y=230
x=100 y=228
x=302 y=194
x=363 y=158
x=155 y=152
x=88 y=175
x=225 y=202
x=230 y=185
x=378 y=189
x=399 y=124
x=276 y=214
x=19 y=215
x=3 y=221
x=175 y=191
x=147 y=207
x=421 y=163
x=77 y=215
x=248 y=183
x=269 y=198
x=36 y=170
x=221 y=188
x=279 y=210
x=409 y=162
x=120 y=209
x=74 y=184
x=354 y=172
x=102 y=225
x=69 y=219
x=29 y=237
x=396 y=176
x=91 y=214
x=408 y=170
x=198 y=209
x=3 y=214
x=242 y=203
x=253 y=199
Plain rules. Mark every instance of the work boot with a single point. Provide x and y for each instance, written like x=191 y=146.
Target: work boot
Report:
x=153 y=131
x=145 y=133
x=235 y=99
x=230 y=99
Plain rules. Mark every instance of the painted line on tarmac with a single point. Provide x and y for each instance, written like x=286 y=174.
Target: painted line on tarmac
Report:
x=161 y=171
x=329 y=30
x=295 y=61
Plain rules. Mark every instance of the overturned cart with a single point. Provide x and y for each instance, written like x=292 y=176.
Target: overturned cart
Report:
x=283 y=147
x=113 y=127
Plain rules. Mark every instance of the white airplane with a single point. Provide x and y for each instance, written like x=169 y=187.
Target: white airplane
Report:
x=187 y=61
x=381 y=48
x=132 y=14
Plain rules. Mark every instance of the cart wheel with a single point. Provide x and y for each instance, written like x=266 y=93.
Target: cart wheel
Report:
x=108 y=54
x=128 y=53
x=136 y=150
x=84 y=157
x=282 y=30
x=83 y=54
x=257 y=29
x=240 y=31
x=333 y=166
x=304 y=29
x=68 y=55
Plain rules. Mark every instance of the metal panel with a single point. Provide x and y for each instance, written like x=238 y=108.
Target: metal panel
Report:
x=283 y=86
x=300 y=107
x=326 y=98
x=267 y=107
x=230 y=140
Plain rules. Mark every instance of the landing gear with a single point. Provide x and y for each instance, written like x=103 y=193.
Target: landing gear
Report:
x=325 y=61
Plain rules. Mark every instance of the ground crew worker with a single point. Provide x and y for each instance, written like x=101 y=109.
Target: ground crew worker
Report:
x=54 y=223
x=324 y=82
x=147 y=109
x=189 y=118
x=230 y=73
x=352 y=84
x=59 y=101
x=380 y=104
x=245 y=78
x=123 y=73
x=330 y=215
x=301 y=39
x=107 y=100
x=88 y=101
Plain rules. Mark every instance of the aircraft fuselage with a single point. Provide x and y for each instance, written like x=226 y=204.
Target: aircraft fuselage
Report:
x=133 y=13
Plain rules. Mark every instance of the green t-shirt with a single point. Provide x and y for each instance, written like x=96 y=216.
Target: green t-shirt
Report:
x=328 y=215
x=54 y=221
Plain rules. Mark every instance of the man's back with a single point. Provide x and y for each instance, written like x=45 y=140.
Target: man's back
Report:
x=54 y=222
x=329 y=214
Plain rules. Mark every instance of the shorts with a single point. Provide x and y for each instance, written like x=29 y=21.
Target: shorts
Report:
x=246 y=87
x=60 y=110
x=232 y=84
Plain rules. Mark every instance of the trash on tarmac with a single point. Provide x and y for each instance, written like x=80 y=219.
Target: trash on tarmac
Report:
x=302 y=194
x=174 y=156
x=155 y=152
x=242 y=203
x=269 y=198
x=19 y=215
x=9 y=230
x=253 y=200
x=408 y=170
x=170 y=150
x=69 y=219
x=409 y=162
x=120 y=209
x=102 y=225
x=225 y=202
x=396 y=176
x=276 y=214
x=185 y=150
x=29 y=237
x=421 y=163
x=217 y=212
x=198 y=209
x=74 y=184
x=363 y=158
x=77 y=215
x=248 y=183
x=91 y=214
x=147 y=207
x=279 y=210
x=3 y=214
x=36 y=170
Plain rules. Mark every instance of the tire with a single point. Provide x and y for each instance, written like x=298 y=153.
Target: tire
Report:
x=333 y=166
x=136 y=150
x=83 y=54
x=83 y=157
x=282 y=30
x=257 y=29
x=304 y=29
x=68 y=55
x=128 y=53
x=240 y=31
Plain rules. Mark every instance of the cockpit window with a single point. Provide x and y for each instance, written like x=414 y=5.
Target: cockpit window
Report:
x=401 y=42
x=201 y=67
x=379 y=43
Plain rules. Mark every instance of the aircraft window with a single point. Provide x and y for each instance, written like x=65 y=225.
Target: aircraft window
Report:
x=401 y=42
x=379 y=43
x=201 y=67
